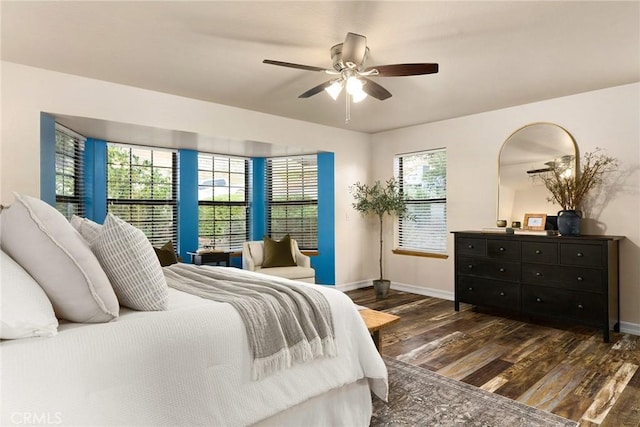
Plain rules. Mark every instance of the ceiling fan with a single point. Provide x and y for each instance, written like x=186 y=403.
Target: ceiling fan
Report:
x=349 y=68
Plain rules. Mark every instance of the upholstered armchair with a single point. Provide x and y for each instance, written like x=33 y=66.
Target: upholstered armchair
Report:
x=253 y=258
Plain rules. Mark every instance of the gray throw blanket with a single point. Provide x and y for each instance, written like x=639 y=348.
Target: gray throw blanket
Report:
x=285 y=323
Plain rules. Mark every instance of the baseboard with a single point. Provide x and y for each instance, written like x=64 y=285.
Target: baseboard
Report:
x=428 y=292
x=630 y=328
x=354 y=285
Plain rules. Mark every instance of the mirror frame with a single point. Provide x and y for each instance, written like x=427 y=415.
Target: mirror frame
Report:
x=500 y=152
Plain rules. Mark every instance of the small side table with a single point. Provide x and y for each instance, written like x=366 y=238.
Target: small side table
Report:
x=376 y=321
x=210 y=258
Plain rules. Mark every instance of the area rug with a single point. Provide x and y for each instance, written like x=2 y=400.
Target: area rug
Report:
x=419 y=397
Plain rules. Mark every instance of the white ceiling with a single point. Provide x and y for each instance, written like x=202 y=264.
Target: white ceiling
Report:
x=491 y=54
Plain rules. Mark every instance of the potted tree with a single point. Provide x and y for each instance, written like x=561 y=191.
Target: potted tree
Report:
x=569 y=190
x=380 y=199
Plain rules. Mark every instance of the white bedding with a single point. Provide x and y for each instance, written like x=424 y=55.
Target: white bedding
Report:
x=189 y=365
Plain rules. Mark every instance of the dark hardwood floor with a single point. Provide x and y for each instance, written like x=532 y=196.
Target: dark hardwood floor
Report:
x=560 y=368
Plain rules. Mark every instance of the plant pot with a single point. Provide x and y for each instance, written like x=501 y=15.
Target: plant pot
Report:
x=569 y=222
x=382 y=288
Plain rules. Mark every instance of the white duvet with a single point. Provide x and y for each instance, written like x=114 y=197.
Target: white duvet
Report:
x=189 y=365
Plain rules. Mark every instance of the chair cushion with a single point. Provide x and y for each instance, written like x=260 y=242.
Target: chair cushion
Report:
x=278 y=253
x=44 y=243
x=294 y=273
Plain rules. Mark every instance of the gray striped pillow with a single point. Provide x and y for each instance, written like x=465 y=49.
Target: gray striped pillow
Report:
x=128 y=258
x=88 y=229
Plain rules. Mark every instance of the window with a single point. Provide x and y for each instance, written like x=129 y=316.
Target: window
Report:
x=423 y=180
x=223 y=210
x=69 y=172
x=292 y=195
x=141 y=189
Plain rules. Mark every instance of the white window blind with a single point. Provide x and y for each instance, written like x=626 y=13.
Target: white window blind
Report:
x=141 y=189
x=223 y=194
x=69 y=172
x=292 y=194
x=423 y=180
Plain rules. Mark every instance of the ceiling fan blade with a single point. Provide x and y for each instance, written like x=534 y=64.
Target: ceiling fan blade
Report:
x=292 y=65
x=398 y=70
x=372 y=88
x=354 y=50
x=317 y=89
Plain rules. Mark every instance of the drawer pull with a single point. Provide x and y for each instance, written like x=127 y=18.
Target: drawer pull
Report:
x=501 y=270
x=579 y=254
x=538 y=252
x=502 y=294
x=538 y=299
x=501 y=249
x=470 y=288
x=580 y=279
x=538 y=274
x=470 y=246
x=580 y=306
x=470 y=266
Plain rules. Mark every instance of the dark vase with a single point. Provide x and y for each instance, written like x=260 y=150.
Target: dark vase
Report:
x=569 y=222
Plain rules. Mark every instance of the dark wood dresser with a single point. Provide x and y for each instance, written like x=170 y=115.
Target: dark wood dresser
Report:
x=564 y=278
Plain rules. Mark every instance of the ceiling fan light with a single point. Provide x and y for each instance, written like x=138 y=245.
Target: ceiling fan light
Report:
x=354 y=88
x=354 y=85
x=359 y=96
x=334 y=90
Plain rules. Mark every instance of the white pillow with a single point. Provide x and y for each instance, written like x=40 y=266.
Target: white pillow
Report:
x=133 y=268
x=25 y=310
x=42 y=241
x=88 y=229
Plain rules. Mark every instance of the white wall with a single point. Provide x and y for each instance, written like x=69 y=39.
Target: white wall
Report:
x=608 y=118
x=28 y=91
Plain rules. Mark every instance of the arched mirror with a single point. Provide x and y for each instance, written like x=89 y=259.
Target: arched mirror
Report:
x=527 y=152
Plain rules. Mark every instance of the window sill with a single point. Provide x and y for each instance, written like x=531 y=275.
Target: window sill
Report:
x=420 y=254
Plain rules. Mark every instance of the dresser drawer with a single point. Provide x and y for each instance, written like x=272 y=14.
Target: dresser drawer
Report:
x=542 y=252
x=488 y=293
x=471 y=246
x=576 y=278
x=503 y=249
x=488 y=268
x=580 y=306
x=578 y=254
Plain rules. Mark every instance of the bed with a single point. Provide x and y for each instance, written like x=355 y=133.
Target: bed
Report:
x=186 y=363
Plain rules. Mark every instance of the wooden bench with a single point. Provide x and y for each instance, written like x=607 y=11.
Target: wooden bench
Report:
x=376 y=321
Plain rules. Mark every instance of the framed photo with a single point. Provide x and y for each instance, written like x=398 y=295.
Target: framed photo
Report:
x=534 y=221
